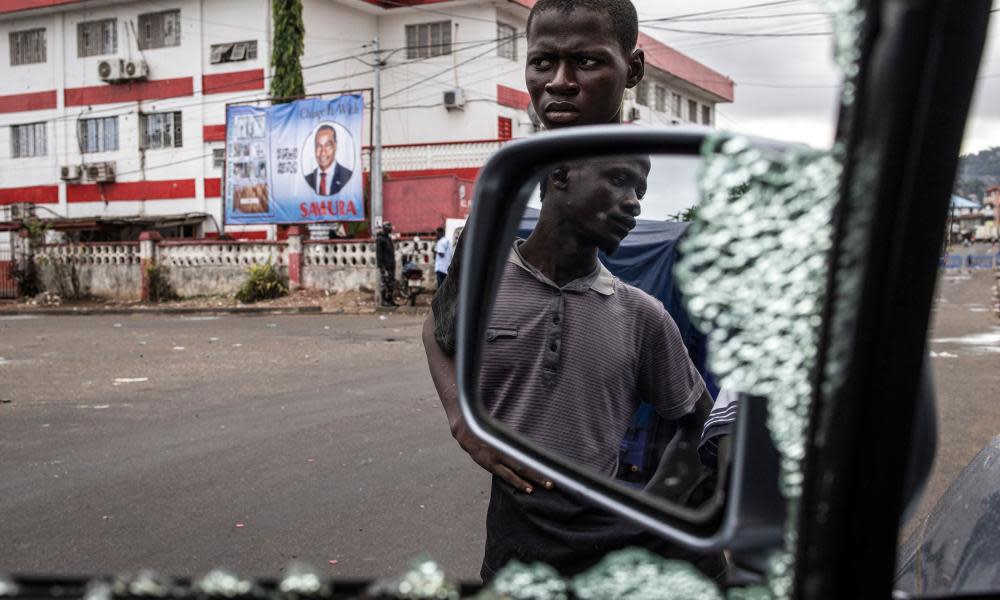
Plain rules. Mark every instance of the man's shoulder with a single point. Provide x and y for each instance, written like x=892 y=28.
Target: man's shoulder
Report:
x=638 y=300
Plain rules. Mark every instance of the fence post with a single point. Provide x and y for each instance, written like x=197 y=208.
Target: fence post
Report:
x=22 y=258
x=147 y=259
x=294 y=255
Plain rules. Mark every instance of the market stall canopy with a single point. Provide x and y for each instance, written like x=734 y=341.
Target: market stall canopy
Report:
x=960 y=202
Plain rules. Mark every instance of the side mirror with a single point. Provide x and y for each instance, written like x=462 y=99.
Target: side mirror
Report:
x=510 y=345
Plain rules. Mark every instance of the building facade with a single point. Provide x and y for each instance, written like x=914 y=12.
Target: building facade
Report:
x=112 y=112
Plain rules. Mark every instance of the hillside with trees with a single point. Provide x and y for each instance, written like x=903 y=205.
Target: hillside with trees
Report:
x=976 y=172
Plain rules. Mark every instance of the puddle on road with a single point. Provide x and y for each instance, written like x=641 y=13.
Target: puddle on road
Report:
x=988 y=342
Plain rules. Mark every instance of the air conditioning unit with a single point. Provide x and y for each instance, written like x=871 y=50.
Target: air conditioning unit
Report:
x=135 y=69
x=634 y=114
x=21 y=210
x=454 y=99
x=110 y=69
x=102 y=172
x=69 y=172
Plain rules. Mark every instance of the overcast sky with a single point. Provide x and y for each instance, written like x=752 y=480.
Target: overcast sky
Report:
x=786 y=86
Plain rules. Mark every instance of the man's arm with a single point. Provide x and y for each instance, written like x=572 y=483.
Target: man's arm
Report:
x=680 y=467
x=444 y=375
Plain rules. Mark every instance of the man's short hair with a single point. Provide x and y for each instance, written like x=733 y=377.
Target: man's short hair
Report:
x=328 y=128
x=624 y=18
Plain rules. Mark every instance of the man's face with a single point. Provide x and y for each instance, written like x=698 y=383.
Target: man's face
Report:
x=598 y=199
x=577 y=72
x=326 y=149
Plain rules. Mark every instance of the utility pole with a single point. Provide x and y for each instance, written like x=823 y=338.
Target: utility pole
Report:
x=376 y=171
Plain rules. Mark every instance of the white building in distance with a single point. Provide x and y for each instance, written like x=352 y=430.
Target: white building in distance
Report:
x=112 y=112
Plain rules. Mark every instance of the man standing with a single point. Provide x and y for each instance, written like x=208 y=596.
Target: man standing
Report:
x=581 y=58
x=442 y=256
x=330 y=176
x=385 y=258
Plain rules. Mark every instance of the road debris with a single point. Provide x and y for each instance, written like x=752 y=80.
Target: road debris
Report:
x=179 y=348
x=121 y=380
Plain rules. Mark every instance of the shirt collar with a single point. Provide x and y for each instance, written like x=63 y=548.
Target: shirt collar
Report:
x=600 y=281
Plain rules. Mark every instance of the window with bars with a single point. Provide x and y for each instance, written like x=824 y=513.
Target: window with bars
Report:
x=160 y=130
x=506 y=41
x=505 y=128
x=28 y=140
x=675 y=105
x=706 y=115
x=97 y=38
x=642 y=93
x=235 y=52
x=99 y=135
x=692 y=111
x=661 y=99
x=160 y=29
x=426 y=40
x=27 y=47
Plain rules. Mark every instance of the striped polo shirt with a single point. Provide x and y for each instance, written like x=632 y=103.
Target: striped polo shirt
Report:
x=568 y=366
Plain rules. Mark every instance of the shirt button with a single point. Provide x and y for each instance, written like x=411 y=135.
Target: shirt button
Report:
x=554 y=346
x=555 y=320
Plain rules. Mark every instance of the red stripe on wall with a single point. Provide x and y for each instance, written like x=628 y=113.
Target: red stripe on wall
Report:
x=12 y=6
x=507 y=96
x=172 y=189
x=129 y=92
x=239 y=81
x=213 y=188
x=36 y=194
x=213 y=133
x=241 y=235
x=26 y=102
x=470 y=173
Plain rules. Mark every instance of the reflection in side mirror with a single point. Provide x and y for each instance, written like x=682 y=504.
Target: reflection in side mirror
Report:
x=592 y=366
x=578 y=362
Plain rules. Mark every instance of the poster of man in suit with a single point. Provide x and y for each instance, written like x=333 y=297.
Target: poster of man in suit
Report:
x=306 y=159
x=329 y=176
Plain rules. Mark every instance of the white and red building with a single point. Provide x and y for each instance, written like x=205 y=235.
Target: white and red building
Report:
x=111 y=153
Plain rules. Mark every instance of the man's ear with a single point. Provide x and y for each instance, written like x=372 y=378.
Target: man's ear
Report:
x=560 y=178
x=636 y=67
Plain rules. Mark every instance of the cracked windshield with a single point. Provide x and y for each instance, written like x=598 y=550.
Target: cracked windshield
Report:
x=231 y=234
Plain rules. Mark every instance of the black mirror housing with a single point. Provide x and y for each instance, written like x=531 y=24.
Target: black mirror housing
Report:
x=747 y=511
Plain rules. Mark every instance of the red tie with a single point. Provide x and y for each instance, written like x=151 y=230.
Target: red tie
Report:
x=322 y=184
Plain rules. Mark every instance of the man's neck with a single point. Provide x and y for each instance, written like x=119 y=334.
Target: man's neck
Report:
x=559 y=257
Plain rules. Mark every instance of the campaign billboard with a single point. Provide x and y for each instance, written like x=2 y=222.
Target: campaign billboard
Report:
x=298 y=162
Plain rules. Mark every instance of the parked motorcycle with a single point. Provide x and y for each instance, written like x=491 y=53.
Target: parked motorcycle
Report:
x=411 y=281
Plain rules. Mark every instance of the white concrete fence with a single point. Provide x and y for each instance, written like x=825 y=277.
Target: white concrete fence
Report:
x=214 y=268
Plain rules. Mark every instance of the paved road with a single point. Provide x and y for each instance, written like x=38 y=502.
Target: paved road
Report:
x=187 y=443
x=965 y=351
x=147 y=441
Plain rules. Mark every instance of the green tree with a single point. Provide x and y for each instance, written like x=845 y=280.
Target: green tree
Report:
x=289 y=32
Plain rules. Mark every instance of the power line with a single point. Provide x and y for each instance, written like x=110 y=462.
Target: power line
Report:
x=438 y=74
x=742 y=34
x=440 y=12
x=115 y=109
x=719 y=11
x=752 y=17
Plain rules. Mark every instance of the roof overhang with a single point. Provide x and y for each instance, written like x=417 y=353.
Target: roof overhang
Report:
x=681 y=68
